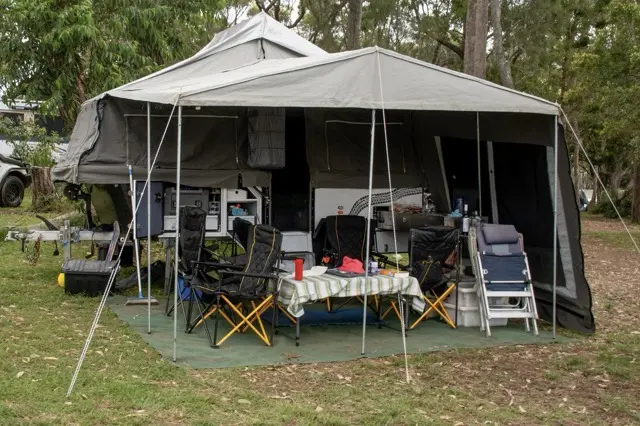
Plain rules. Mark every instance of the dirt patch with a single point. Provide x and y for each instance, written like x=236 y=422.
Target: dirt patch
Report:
x=590 y=224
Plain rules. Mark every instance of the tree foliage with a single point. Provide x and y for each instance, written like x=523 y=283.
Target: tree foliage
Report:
x=30 y=142
x=63 y=52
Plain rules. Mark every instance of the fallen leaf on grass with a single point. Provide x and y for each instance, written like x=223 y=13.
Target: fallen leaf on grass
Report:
x=50 y=358
x=318 y=409
x=20 y=374
x=522 y=410
x=244 y=401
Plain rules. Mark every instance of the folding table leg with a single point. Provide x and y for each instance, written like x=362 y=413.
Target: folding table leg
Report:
x=406 y=317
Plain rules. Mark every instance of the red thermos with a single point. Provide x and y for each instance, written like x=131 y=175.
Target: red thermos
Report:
x=297 y=269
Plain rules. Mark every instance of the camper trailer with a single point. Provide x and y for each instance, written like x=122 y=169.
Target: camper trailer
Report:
x=263 y=125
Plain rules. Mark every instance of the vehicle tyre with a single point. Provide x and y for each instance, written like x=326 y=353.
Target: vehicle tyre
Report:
x=12 y=192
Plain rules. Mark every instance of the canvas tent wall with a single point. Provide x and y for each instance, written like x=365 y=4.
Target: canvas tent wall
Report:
x=108 y=131
x=431 y=102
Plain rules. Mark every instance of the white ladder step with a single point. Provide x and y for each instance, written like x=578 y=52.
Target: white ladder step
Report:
x=493 y=313
x=508 y=293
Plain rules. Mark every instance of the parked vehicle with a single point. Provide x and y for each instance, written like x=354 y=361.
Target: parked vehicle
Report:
x=15 y=177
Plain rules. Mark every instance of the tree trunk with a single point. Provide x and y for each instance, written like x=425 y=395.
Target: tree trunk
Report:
x=576 y=170
x=475 y=38
x=42 y=187
x=615 y=181
x=354 y=23
x=504 y=66
x=635 y=199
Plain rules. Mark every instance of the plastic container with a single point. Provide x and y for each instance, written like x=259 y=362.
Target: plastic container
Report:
x=89 y=277
x=470 y=316
x=467 y=294
x=309 y=261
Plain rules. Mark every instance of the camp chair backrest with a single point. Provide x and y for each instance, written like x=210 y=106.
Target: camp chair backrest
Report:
x=429 y=248
x=263 y=252
x=192 y=230
x=114 y=242
x=241 y=228
x=498 y=240
x=346 y=236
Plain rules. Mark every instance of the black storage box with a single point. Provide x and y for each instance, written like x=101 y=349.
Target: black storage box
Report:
x=89 y=277
x=127 y=253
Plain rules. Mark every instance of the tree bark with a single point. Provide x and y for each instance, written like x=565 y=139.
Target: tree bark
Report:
x=504 y=66
x=615 y=180
x=475 y=38
x=576 y=170
x=42 y=187
x=354 y=24
x=635 y=199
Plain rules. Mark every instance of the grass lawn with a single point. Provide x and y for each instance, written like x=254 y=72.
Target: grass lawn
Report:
x=593 y=380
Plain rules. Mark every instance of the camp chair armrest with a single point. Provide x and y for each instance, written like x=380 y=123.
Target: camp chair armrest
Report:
x=249 y=274
x=215 y=265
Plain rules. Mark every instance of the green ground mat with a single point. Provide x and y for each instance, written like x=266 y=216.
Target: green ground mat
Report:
x=325 y=343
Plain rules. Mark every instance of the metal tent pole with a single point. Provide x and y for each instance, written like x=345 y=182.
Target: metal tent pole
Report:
x=479 y=165
x=368 y=237
x=555 y=223
x=148 y=218
x=177 y=242
x=116 y=268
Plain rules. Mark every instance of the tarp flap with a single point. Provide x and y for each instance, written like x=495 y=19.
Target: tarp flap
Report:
x=85 y=134
x=338 y=149
x=213 y=140
x=266 y=138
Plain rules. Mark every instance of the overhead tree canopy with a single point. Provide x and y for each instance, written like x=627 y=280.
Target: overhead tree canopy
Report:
x=62 y=53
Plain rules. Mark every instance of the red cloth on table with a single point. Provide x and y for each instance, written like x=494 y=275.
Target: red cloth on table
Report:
x=351 y=265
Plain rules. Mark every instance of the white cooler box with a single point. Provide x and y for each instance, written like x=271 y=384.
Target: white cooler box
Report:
x=470 y=316
x=298 y=244
x=309 y=261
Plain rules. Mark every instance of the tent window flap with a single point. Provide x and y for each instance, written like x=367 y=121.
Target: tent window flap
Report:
x=266 y=138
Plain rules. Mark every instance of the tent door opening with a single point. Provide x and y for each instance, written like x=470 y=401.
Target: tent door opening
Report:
x=460 y=158
x=290 y=195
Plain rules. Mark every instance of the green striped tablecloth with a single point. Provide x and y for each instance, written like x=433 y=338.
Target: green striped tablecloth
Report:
x=294 y=294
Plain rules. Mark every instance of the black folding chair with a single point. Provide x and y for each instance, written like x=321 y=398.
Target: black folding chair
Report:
x=242 y=294
x=190 y=248
x=429 y=249
x=343 y=235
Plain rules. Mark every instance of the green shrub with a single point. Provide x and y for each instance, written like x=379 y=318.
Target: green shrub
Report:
x=604 y=207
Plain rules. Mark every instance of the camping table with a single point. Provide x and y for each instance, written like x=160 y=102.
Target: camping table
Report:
x=294 y=294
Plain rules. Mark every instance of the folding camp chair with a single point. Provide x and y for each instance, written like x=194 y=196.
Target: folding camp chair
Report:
x=190 y=248
x=342 y=235
x=240 y=237
x=502 y=274
x=429 y=249
x=242 y=296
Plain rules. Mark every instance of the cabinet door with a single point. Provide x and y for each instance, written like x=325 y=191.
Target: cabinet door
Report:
x=156 y=209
